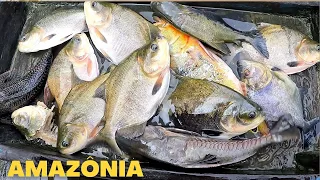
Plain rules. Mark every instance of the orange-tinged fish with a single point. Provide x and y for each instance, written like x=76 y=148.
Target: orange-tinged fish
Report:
x=190 y=58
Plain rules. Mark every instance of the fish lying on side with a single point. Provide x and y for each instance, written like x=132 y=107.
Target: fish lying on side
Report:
x=274 y=91
x=35 y=121
x=190 y=58
x=191 y=151
x=81 y=115
x=136 y=88
x=53 y=30
x=19 y=92
x=289 y=50
x=208 y=27
x=75 y=63
x=213 y=109
x=117 y=31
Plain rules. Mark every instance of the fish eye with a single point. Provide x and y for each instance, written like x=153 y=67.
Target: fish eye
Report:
x=154 y=47
x=246 y=72
x=94 y=4
x=318 y=47
x=23 y=39
x=252 y=115
x=77 y=40
x=64 y=144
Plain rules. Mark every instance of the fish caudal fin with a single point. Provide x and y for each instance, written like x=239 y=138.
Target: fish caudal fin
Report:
x=111 y=141
x=284 y=129
x=292 y=133
x=259 y=43
x=310 y=124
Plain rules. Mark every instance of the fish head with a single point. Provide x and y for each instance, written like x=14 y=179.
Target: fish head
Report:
x=72 y=138
x=78 y=49
x=175 y=37
x=98 y=14
x=29 y=119
x=308 y=51
x=154 y=57
x=31 y=40
x=239 y=118
x=169 y=10
x=254 y=74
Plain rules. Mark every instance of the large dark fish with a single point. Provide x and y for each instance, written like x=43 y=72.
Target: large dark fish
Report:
x=208 y=27
x=19 y=92
x=191 y=151
x=213 y=109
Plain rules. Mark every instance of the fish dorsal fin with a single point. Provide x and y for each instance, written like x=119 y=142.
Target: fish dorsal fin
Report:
x=270 y=29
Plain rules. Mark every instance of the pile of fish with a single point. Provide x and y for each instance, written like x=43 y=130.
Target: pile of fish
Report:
x=212 y=104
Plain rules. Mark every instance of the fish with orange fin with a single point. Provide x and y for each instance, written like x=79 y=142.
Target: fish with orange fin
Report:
x=75 y=63
x=190 y=58
x=289 y=50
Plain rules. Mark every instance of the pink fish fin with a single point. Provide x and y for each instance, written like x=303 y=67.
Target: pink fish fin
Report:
x=97 y=129
x=297 y=66
x=244 y=88
x=99 y=34
x=48 y=97
x=89 y=66
x=213 y=57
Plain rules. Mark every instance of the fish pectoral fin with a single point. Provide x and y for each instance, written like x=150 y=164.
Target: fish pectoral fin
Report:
x=294 y=63
x=47 y=38
x=96 y=130
x=159 y=82
x=182 y=131
x=222 y=47
x=89 y=67
x=238 y=43
x=263 y=128
x=99 y=35
x=208 y=159
x=67 y=37
x=101 y=92
x=275 y=69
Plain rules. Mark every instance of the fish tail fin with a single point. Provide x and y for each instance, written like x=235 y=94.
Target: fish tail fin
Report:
x=259 y=43
x=111 y=141
x=292 y=133
x=310 y=124
x=285 y=129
